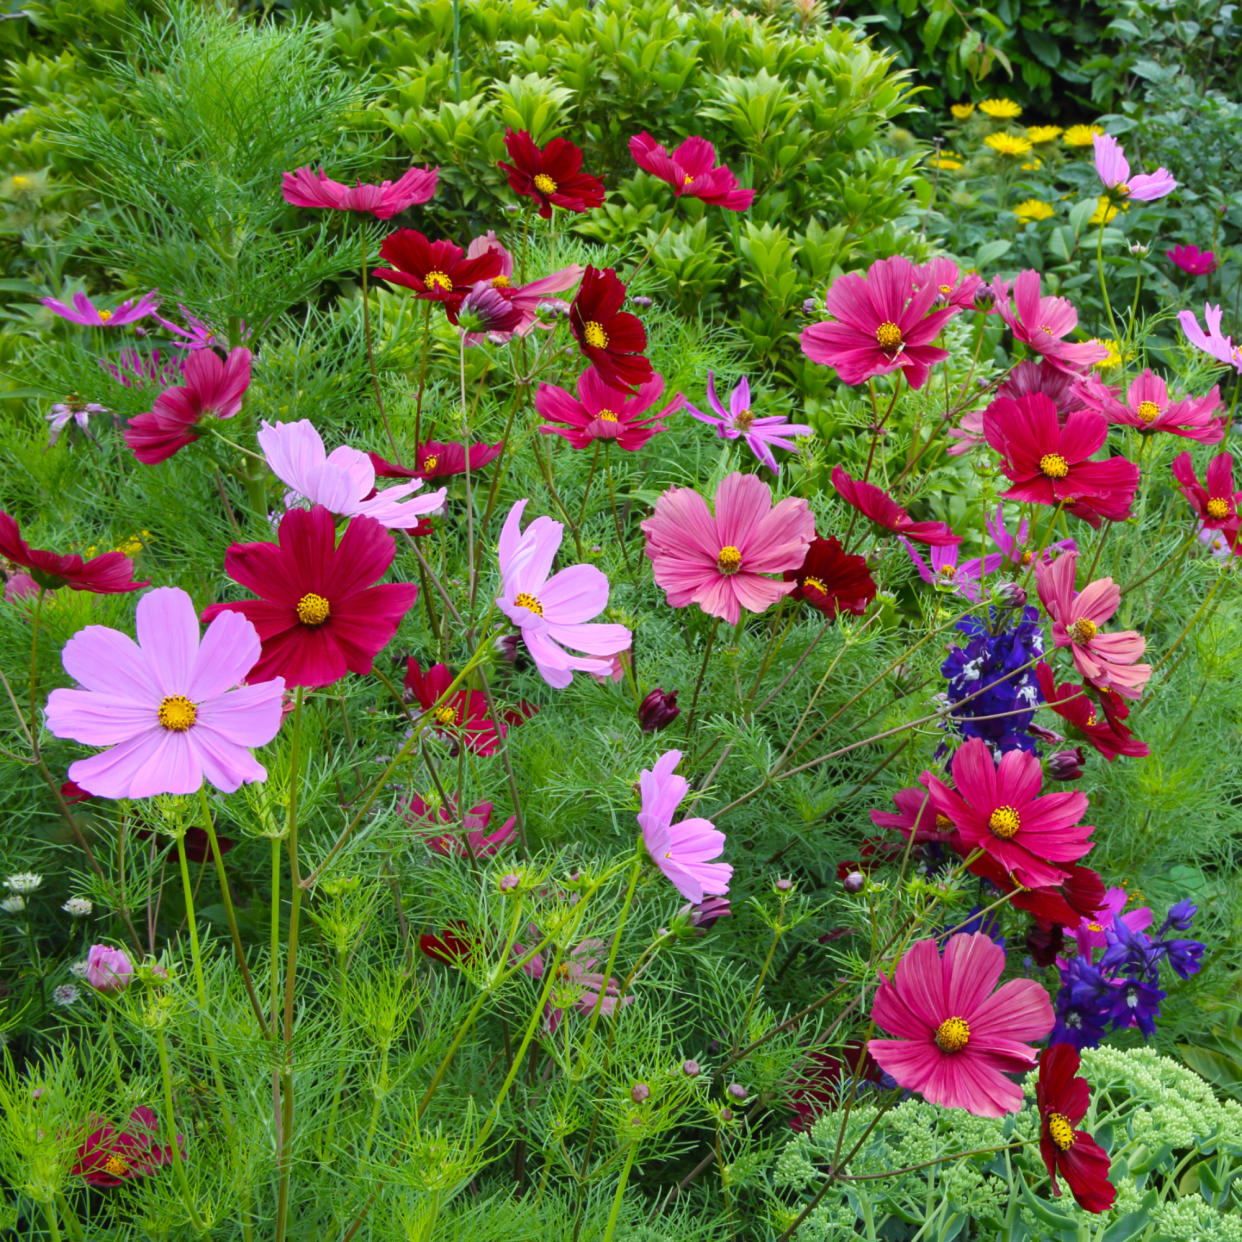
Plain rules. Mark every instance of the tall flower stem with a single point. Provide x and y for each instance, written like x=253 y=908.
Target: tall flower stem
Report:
x=366 y=332
x=611 y=1226
x=1099 y=263
x=616 y=517
x=170 y=1133
x=422 y=374
x=465 y=438
x=698 y=685
x=651 y=249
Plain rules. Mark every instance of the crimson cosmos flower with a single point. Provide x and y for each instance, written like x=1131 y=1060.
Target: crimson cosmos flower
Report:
x=611 y=339
x=1104 y=729
x=691 y=170
x=601 y=412
x=1214 y=500
x=463 y=716
x=551 y=175
x=437 y=271
x=318 y=617
x=109 y=574
x=110 y=1157
x=438 y=460
x=882 y=509
x=1062 y=1100
x=831 y=580
x=305 y=188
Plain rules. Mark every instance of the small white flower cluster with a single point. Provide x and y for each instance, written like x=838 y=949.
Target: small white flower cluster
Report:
x=13 y=905
x=23 y=882
x=65 y=995
x=78 y=907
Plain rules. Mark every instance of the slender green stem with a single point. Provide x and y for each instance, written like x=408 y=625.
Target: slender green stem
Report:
x=698 y=685
x=616 y=516
x=422 y=376
x=1099 y=263
x=611 y=1226
x=53 y=1226
x=72 y=1227
x=170 y=1133
x=366 y=332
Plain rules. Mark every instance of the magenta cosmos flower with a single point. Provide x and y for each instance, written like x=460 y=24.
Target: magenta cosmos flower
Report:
x=877 y=505
x=602 y=412
x=945 y=571
x=721 y=562
x=318 y=614
x=437 y=459
x=1214 y=500
x=691 y=170
x=762 y=435
x=953 y=288
x=1114 y=171
x=1107 y=661
x=1212 y=342
x=83 y=310
x=1148 y=409
x=165 y=705
x=108 y=969
x=884 y=322
x=214 y=388
x=683 y=851
x=305 y=188
x=957 y=1036
x=995 y=809
x=555 y=610
x=343 y=481
x=109 y=574
x=1042 y=323
x=110 y=1157
x=1192 y=260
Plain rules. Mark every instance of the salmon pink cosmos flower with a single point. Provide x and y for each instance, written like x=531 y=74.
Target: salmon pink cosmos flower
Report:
x=721 y=562
x=1062 y=1100
x=165 y=706
x=958 y=1037
x=762 y=435
x=602 y=412
x=318 y=614
x=691 y=170
x=1148 y=409
x=83 y=310
x=1114 y=171
x=874 y=503
x=1042 y=323
x=1214 y=500
x=551 y=175
x=436 y=271
x=612 y=340
x=305 y=188
x=109 y=574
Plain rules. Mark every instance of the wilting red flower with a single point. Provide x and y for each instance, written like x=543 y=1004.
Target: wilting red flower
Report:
x=1104 y=728
x=1214 y=500
x=305 y=188
x=1076 y=896
x=450 y=945
x=463 y=716
x=437 y=459
x=437 y=271
x=468 y=840
x=551 y=175
x=604 y=412
x=486 y=313
x=881 y=508
x=110 y=1157
x=611 y=339
x=109 y=574
x=831 y=580
x=318 y=616
x=1041 y=323
x=1062 y=1100
x=691 y=170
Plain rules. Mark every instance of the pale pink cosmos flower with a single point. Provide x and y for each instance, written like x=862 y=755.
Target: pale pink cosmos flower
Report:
x=1114 y=171
x=555 y=610
x=77 y=412
x=343 y=481
x=526 y=298
x=683 y=851
x=83 y=310
x=1107 y=661
x=108 y=969
x=306 y=188
x=1212 y=342
x=1042 y=323
x=721 y=562
x=761 y=434
x=166 y=705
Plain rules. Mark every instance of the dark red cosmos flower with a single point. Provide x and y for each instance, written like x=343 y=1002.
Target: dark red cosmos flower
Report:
x=109 y=574
x=73 y=793
x=551 y=175
x=437 y=271
x=1062 y=1099
x=463 y=716
x=824 y=1077
x=449 y=946
x=831 y=580
x=1105 y=729
x=691 y=170
x=612 y=340
x=1214 y=500
x=1079 y=895
x=437 y=459
x=318 y=616
x=110 y=1157
x=876 y=504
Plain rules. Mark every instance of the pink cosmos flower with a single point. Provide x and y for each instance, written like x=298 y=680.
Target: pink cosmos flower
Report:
x=882 y=324
x=916 y=814
x=761 y=434
x=485 y=314
x=198 y=335
x=165 y=706
x=110 y=1157
x=83 y=310
x=1062 y=389
x=1214 y=500
x=995 y=809
x=720 y=562
x=529 y=297
x=343 y=481
x=580 y=986
x=683 y=851
x=76 y=412
x=555 y=610
x=108 y=969
x=691 y=170
x=1114 y=171
x=469 y=839
x=944 y=571
x=1105 y=660
x=957 y=1038
x=602 y=412
x=1042 y=323
x=437 y=458
x=306 y=188
x=1212 y=342
x=952 y=287
x=1192 y=260
x=214 y=388
x=1089 y=934
x=1147 y=408
x=1017 y=549
x=874 y=503
x=134 y=370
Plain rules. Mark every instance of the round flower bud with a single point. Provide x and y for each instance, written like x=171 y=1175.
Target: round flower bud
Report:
x=691 y=1069
x=1065 y=765
x=1009 y=595
x=737 y=1091
x=855 y=882
x=658 y=710
x=640 y=1093
x=810 y=307
x=985 y=298
x=783 y=885
x=642 y=302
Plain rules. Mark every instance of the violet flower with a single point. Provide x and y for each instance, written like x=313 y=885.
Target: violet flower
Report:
x=761 y=434
x=83 y=310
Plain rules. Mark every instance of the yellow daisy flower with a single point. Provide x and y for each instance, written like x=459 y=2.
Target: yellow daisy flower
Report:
x=1105 y=210
x=962 y=111
x=1034 y=164
x=946 y=161
x=1080 y=135
x=1000 y=109
x=1114 y=354
x=1043 y=133
x=1033 y=209
x=1007 y=144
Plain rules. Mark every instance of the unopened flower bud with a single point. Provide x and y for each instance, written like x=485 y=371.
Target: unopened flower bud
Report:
x=640 y=1093
x=507 y=647
x=783 y=885
x=658 y=710
x=706 y=912
x=1138 y=250
x=810 y=307
x=642 y=302
x=726 y=1114
x=691 y=1069
x=509 y=882
x=737 y=1091
x=1066 y=765
x=855 y=882
x=985 y=298
x=1009 y=595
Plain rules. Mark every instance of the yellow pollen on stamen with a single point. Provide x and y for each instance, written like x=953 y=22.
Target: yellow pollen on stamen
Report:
x=1148 y=411
x=1122 y=190
x=525 y=600
x=445 y=715
x=501 y=282
x=743 y=420
x=116 y=1166
x=948 y=571
x=104 y=316
x=1027 y=557
x=817 y=583
x=888 y=334
x=1218 y=508
x=1091 y=719
x=953 y=1034
x=1061 y=1130
x=1082 y=631
x=728 y=559
x=686 y=179
x=313 y=609
x=438 y=280
x=946 y=290
x=607 y=416
x=177 y=713
x=544 y=184
x=1043 y=327
x=1004 y=822
x=1095 y=927
x=430 y=462
x=595 y=335
x=22 y=183
x=1053 y=466
x=943 y=823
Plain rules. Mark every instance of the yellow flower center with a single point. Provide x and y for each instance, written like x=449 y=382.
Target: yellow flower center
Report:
x=1043 y=327
x=1082 y=631
x=728 y=559
x=1004 y=822
x=1053 y=466
x=953 y=1034
x=544 y=184
x=1061 y=1130
x=438 y=280
x=888 y=334
x=104 y=316
x=1091 y=719
x=445 y=714
x=1027 y=557
x=501 y=282
x=1218 y=508
x=1148 y=411
x=607 y=416
x=595 y=335
x=808 y=581
x=1122 y=190
x=1095 y=927
x=116 y=1166
x=947 y=571
x=22 y=183
x=526 y=600
x=313 y=609
x=744 y=420
x=686 y=179
x=430 y=462
x=177 y=713
x=943 y=822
